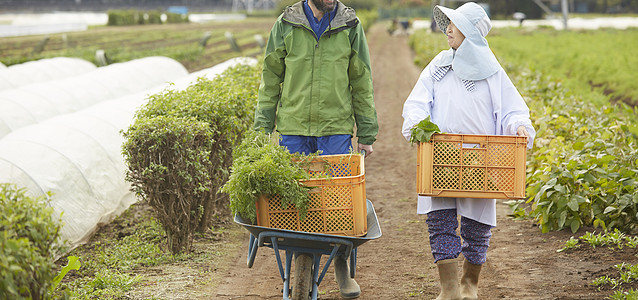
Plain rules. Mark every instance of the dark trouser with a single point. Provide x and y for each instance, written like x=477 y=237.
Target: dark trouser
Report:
x=445 y=242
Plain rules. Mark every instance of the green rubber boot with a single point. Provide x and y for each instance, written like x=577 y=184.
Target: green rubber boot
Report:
x=348 y=287
x=448 y=275
x=469 y=281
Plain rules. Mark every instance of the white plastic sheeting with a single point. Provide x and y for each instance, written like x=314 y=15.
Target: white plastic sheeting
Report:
x=33 y=103
x=42 y=70
x=78 y=158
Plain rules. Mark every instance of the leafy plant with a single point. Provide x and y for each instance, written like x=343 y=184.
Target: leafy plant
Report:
x=73 y=264
x=572 y=243
x=262 y=167
x=423 y=131
x=29 y=242
x=178 y=150
x=617 y=238
x=622 y=295
x=110 y=263
x=627 y=273
x=595 y=240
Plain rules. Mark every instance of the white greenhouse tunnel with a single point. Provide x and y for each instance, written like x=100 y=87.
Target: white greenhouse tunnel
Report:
x=33 y=103
x=42 y=70
x=78 y=158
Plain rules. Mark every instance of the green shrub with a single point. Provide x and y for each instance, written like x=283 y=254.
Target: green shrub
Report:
x=29 y=242
x=176 y=18
x=123 y=17
x=179 y=149
x=367 y=18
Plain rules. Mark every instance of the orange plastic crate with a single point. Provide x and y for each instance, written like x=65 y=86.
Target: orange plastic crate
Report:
x=337 y=204
x=472 y=166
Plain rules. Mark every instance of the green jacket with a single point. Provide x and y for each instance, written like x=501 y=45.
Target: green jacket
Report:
x=313 y=87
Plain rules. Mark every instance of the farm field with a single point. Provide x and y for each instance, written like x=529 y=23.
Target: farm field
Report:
x=182 y=42
x=523 y=263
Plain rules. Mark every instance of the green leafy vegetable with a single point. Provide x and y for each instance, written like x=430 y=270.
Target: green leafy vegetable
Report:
x=262 y=167
x=422 y=132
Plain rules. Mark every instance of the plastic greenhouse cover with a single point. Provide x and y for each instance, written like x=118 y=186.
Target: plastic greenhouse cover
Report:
x=29 y=104
x=77 y=157
x=42 y=70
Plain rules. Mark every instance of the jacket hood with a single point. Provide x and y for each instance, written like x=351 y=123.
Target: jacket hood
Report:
x=345 y=17
x=473 y=60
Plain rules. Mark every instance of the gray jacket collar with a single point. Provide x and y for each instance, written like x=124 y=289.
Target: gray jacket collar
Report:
x=345 y=17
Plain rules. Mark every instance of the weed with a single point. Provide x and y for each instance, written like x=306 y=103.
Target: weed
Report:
x=624 y=295
x=572 y=243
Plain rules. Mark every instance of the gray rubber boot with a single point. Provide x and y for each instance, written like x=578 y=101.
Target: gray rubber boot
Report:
x=469 y=280
x=348 y=287
x=449 y=279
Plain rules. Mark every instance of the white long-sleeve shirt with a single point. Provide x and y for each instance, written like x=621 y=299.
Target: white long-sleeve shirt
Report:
x=492 y=106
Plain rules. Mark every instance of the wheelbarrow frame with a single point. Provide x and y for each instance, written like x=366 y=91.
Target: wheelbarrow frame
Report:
x=317 y=244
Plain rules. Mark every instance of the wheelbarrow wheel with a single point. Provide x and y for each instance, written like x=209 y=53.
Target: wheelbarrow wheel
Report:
x=302 y=280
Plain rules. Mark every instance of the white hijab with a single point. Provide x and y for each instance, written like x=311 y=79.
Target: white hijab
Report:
x=473 y=60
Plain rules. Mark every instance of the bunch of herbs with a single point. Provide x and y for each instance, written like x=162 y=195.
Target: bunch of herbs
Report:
x=262 y=167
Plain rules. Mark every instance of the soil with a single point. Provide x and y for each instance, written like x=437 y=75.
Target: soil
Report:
x=522 y=262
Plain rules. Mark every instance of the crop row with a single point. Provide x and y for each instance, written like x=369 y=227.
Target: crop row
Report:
x=585 y=60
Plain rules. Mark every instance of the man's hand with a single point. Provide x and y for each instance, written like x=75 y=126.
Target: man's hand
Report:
x=366 y=148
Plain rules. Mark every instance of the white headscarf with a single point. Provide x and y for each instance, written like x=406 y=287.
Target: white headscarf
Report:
x=473 y=60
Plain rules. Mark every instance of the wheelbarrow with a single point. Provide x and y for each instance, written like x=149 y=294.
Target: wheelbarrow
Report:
x=313 y=244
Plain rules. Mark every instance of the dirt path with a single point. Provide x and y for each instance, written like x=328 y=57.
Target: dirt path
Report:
x=522 y=262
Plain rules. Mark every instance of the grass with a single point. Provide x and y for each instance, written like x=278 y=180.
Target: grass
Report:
x=121 y=257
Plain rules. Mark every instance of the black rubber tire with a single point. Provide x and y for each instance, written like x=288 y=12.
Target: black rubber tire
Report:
x=302 y=278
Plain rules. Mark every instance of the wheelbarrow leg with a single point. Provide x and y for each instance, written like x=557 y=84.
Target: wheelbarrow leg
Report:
x=315 y=276
x=286 y=278
x=353 y=262
x=252 y=250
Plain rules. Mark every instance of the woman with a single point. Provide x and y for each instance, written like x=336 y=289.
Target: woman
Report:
x=464 y=90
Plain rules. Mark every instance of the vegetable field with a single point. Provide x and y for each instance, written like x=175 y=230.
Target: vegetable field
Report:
x=574 y=238
x=196 y=46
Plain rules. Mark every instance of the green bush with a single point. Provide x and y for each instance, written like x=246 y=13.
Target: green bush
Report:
x=122 y=17
x=176 y=18
x=179 y=149
x=29 y=242
x=367 y=18
x=137 y=17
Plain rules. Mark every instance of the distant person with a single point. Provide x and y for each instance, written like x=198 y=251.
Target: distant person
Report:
x=520 y=17
x=465 y=91
x=316 y=86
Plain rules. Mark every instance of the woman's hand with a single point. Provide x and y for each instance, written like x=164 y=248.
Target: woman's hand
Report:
x=522 y=131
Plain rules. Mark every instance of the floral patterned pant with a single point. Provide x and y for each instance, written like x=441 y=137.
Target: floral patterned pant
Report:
x=445 y=242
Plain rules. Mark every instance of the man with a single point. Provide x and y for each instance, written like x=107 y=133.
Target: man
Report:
x=316 y=86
